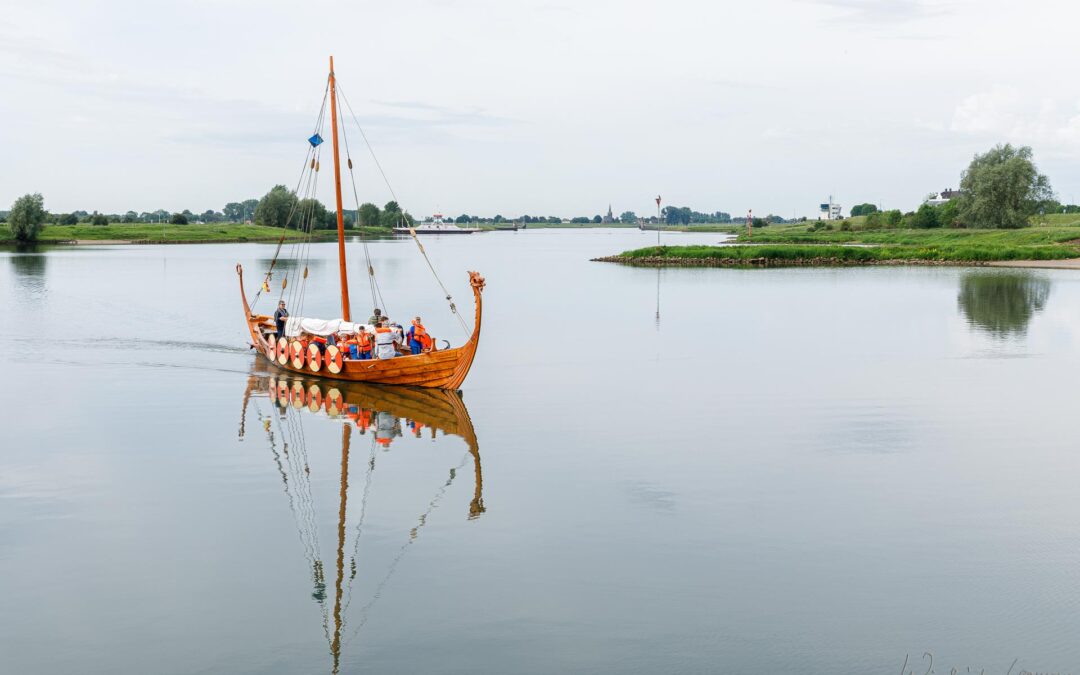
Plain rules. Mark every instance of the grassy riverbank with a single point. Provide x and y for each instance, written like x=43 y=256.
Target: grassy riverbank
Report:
x=802 y=245
x=149 y=233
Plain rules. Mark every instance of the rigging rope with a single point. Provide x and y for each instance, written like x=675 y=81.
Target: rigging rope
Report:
x=301 y=247
x=312 y=153
x=412 y=231
x=376 y=293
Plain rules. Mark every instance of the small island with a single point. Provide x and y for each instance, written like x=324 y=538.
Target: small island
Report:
x=1004 y=213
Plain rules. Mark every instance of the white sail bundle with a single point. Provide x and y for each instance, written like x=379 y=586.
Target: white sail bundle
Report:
x=296 y=325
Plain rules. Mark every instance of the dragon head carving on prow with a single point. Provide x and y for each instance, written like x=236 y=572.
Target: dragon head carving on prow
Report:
x=476 y=280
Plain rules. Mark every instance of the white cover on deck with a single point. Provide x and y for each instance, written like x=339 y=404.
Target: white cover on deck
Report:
x=295 y=325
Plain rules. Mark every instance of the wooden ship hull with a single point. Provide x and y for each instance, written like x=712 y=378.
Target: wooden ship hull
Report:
x=442 y=369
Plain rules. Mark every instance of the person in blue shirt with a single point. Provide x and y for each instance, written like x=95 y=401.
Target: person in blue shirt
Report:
x=419 y=340
x=280 y=316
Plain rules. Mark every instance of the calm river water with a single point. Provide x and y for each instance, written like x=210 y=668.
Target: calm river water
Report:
x=787 y=471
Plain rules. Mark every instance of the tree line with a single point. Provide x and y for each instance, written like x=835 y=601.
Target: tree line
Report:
x=1001 y=188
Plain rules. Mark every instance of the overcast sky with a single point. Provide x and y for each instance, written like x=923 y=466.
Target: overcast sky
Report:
x=544 y=108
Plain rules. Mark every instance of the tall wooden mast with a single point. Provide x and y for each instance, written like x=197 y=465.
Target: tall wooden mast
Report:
x=337 y=195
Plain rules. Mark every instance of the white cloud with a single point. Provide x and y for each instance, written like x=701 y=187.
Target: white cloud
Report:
x=1006 y=113
x=532 y=106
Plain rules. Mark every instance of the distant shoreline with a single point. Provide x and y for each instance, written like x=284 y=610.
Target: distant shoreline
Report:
x=128 y=234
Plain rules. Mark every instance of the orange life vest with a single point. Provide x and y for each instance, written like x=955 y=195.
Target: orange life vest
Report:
x=420 y=335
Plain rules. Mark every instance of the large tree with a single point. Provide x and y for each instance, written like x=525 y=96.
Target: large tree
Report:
x=275 y=208
x=675 y=215
x=234 y=212
x=314 y=216
x=393 y=216
x=27 y=217
x=1002 y=188
x=369 y=215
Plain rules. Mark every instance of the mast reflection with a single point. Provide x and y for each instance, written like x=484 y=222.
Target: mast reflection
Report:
x=381 y=413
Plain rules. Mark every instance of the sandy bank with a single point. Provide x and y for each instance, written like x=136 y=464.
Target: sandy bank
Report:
x=1067 y=264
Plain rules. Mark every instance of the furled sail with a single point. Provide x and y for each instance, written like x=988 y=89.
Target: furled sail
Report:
x=295 y=325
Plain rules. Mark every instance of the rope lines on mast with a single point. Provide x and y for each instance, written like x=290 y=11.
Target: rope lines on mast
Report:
x=301 y=249
x=412 y=231
x=376 y=293
x=311 y=154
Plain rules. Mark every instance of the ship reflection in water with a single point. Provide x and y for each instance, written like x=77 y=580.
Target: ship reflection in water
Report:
x=376 y=413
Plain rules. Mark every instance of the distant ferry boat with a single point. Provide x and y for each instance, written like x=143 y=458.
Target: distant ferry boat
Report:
x=437 y=226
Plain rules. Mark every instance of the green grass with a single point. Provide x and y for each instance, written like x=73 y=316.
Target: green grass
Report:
x=148 y=232
x=935 y=237
x=955 y=252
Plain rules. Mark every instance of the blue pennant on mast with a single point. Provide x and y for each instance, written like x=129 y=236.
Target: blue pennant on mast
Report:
x=315 y=140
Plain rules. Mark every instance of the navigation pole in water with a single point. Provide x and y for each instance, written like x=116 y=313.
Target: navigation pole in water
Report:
x=337 y=195
x=658 y=220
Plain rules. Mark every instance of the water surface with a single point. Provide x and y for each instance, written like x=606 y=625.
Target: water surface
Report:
x=683 y=471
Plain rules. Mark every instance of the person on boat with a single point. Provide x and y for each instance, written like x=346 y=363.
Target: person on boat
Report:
x=398 y=331
x=386 y=341
x=359 y=345
x=376 y=317
x=419 y=340
x=280 y=316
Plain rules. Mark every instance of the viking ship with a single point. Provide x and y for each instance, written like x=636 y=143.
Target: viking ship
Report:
x=444 y=368
x=378 y=413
